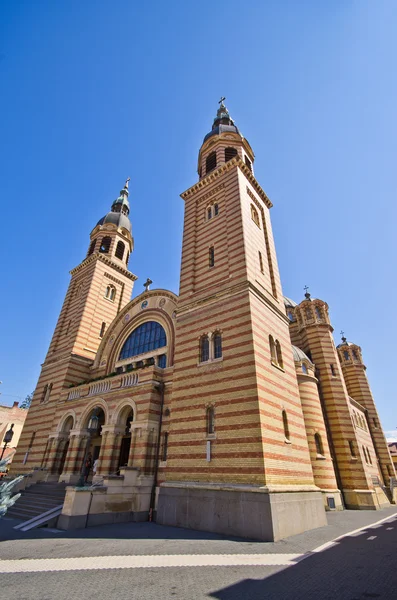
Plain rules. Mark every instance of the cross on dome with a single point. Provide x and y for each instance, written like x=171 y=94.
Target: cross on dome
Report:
x=147 y=284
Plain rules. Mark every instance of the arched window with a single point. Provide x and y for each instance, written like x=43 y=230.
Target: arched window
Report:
x=290 y=315
x=148 y=336
x=346 y=355
x=211 y=256
x=92 y=247
x=352 y=449
x=102 y=329
x=369 y=457
x=273 y=355
x=209 y=213
x=210 y=163
x=261 y=262
x=162 y=361
x=319 y=444
x=356 y=418
x=285 y=424
x=105 y=245
x=128 y=258
x=230 y=153
x=365 y=454
x=355 y=355
x=318 y=312
x=204 y=348
x=333 y=372
x=309 y=314
x=248 y=162
x=217 y=341
x=110 y=292
x=255 y=216
x=210 y=420
x=279 y=355
x=304 y=368
x=216 y=210
x=120 y=250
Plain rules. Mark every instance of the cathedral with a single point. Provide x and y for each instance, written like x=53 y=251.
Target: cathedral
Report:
x=226 y=408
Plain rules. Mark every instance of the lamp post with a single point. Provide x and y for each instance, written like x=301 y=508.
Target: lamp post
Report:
x=93 y=425
x=7 y=439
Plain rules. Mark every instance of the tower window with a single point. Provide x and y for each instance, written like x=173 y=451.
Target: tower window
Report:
x=309 y=315
x=319 y=444
x=110 y=293
x=279 y=355
x=352 y=449
x=248 y=163
x=216 y=210
x=290 y=315
x=128 y=258
x=273 y=356
x=102 y=329
x=92 y=247
x=210 y=420
x=210 y=163
x=261 y=262
x=285 y=424
x=120 y=250
x=355 y=355
x=375 y=423
x=105 y=245
x=369 y=457
x=211 y=257
x=209 y=212
x=318 y=313
x=304 y=368
x=230 y=153
x=217 y=341
x=204 y=349
x=255 y=216
x=333 y=373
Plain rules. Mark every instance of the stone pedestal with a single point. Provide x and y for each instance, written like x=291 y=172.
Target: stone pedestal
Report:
x=243 y=511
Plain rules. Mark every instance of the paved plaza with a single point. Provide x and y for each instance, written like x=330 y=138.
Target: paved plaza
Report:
x=145 y=560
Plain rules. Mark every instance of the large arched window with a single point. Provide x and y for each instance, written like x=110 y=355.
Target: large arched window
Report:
x=105 y=245
x=230 y=153
x=148 y=336
x=210 y=163
x=120 y=250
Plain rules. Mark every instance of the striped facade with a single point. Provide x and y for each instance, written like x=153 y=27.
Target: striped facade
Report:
x=244 y=418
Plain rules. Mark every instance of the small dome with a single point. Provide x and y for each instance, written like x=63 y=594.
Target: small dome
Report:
x=299 y=355
x=289 y=303
x=116 y=218
x=346 y=343
x=221 y=129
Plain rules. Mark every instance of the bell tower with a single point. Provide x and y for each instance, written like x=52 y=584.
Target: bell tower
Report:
x=101 y=285
x=237 y=440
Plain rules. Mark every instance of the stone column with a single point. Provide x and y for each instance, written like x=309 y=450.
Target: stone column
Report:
x=74 y=458
x=48 y=452
x=144 y=448
x=134 y=435
x=110 y=449
x=53 y=456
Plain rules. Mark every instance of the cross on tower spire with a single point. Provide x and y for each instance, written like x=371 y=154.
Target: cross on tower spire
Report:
x=147 y=284
x=344 y=340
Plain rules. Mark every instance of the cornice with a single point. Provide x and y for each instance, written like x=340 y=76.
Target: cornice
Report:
x=224 y=168
x=107 y=261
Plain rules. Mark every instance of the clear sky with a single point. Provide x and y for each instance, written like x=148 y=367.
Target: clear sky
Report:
x=95 y=91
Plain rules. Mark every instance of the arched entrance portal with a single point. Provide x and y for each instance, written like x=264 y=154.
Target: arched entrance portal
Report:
x=126 y=419
x=96 y=437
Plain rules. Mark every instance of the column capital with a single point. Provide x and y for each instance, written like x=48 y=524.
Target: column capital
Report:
x=115 y=429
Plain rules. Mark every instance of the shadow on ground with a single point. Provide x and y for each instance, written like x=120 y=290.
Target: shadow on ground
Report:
x=358 y=567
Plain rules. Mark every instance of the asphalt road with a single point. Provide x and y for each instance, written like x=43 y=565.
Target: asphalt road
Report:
x=359 y=566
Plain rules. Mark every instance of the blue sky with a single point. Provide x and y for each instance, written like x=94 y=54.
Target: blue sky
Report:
x=95 y=91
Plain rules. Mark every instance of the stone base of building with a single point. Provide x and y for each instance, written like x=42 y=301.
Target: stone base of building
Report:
x=70 y=478
x=67 y=522
x=243 y=511
x=366 y=499
x=332 y=499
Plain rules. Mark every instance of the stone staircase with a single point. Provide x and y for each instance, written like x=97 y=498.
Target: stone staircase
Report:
x=37 y=499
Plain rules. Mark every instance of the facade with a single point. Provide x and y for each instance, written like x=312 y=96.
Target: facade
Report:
x=227 y=408
x=11 y=415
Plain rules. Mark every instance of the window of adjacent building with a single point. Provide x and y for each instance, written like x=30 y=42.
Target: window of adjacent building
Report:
x=210 y=163
x=92 y=247
x=333 y=372
x=230 y=153
x=290 y=315
x=211 y=256
x=210 y=420
x=120 y=250
x=110 y=293
x=255 y=216
x=101 y=333
x=217 y=341
x=164 y=451
x=148 y=336
x=248 y=162
x=304 y=368
x=352 y=449
x=204 y=348
x=260 y=262
x=105 y=245
x=285 y=424
x=319 y=444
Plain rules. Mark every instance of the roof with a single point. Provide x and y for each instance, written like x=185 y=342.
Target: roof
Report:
x=299 y=355
x=221 y=129
x=289 y=303
x=117 y=218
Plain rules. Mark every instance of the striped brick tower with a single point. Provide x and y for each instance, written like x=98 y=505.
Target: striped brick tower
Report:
x=353 y=369
x=316 y=333
x=238 y=457
x=99 y=289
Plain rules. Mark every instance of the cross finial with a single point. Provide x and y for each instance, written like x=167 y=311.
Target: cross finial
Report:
x=307 y=295
x=147 y=284
x=343 y=336
x=222 y=99
x=127 y=181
